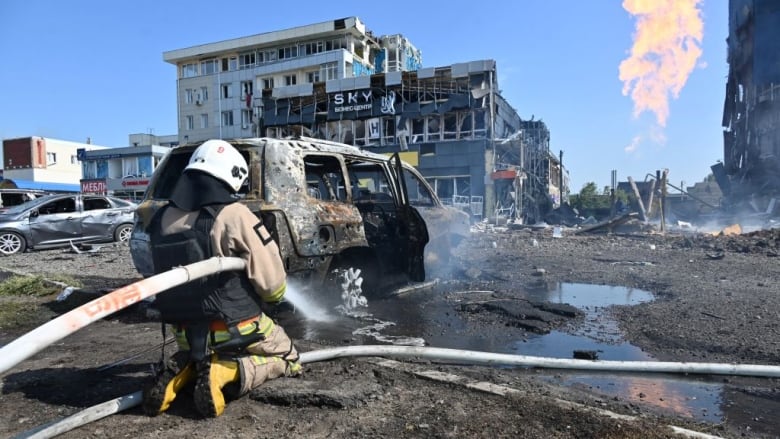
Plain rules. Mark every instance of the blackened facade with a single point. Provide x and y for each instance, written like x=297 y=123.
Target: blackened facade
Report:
x=450 y=122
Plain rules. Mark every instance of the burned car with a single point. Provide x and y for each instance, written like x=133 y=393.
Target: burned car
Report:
x=59 y=220
x=329 y=206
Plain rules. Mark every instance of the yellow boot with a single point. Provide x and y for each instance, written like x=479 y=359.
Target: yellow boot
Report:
x=213 y=375
x=158 y=397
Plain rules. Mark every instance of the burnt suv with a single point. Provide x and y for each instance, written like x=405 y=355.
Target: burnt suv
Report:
x=329 y=206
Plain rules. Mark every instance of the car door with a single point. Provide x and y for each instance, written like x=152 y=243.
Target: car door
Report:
x=412 y=226
x=99 y=218
x=55 y=222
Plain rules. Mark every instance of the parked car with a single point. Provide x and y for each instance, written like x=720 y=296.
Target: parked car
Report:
x=329 y=206
x=61 y=219
x=13 y=197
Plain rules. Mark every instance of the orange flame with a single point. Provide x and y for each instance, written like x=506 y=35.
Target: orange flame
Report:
x=667 y=44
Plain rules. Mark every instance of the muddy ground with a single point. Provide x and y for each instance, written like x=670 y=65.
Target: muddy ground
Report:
x=717 y=299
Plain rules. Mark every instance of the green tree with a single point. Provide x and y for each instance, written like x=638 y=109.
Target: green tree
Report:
x=588 y=196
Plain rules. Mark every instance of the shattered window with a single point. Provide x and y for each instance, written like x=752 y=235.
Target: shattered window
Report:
x=418 y=190
x=96 y=203
x=434 y=128
x=450 y=126
x=324 y=178
x=369 y=182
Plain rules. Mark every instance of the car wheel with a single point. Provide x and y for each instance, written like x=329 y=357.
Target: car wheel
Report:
x=122 y=233
x=12 y=243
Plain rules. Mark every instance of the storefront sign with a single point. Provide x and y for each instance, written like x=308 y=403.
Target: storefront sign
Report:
x=358 y=100
x=135 y=182
x=93 y=186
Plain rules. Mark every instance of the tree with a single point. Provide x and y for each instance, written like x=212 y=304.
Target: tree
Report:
x=588 y=196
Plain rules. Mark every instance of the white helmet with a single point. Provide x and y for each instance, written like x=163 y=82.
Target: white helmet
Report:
x=221 y=160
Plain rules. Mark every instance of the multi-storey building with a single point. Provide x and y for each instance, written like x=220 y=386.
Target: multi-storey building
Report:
x=750 y=170
x=220 y=85
x=335 y=81
x=43 y=163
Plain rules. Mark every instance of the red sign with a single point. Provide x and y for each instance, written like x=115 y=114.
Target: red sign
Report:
x=504 y=175
x=93 y=186
x=143 y=182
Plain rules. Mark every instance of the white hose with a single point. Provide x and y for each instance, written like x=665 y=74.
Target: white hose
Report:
x=489 y=358
x=441 y=354
x=34 y=341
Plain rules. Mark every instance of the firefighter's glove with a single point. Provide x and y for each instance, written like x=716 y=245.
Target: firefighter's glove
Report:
x=213 y=375
x=158 y=396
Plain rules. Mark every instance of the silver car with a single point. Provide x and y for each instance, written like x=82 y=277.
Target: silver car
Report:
x=60 y=219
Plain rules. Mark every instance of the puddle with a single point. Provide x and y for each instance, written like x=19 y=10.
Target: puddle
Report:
x=420 y=319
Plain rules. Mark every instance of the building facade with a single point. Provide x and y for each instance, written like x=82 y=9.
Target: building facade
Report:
x=751 y=115
x=43 y=163
x=336 y=81
x=124 y=172
x=54 y=165
x=220 y=85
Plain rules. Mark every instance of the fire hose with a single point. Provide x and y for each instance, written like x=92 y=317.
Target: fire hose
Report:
x=68 y=323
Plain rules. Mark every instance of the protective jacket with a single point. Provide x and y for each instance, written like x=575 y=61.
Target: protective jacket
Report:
x=225 y=296
x=180 y=237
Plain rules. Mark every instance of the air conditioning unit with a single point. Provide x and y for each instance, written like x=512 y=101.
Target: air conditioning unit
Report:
x=198 y=102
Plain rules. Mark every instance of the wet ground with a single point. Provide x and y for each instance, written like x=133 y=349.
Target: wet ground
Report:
x=595 y=334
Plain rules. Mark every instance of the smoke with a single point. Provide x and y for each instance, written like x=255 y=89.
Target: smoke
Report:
x=633 y=145
x=667 y=45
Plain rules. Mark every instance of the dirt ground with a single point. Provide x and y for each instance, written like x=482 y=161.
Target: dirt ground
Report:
x=716 y=300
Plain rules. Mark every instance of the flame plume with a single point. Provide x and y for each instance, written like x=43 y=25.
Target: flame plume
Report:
x=667 y=45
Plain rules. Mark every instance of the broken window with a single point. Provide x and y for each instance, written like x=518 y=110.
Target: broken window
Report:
x=388 y=130
x=418 y=130
x=419 y=194
x=450 y=126
x=360 y=133
x=96 y=203
x=479 y=124
x=369 y=184
x=63 y=205
x=466 y=126
x=246 y=89
x=434 y=128
x=324 y=178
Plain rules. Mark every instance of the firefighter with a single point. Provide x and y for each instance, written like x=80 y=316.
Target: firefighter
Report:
x=227 y=345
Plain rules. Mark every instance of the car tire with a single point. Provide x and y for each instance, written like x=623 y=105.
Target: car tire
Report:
x=122 y=233
x=12 y=243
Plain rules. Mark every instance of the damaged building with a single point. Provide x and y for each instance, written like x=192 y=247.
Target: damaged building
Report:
x=750 y=171
x=337 y=81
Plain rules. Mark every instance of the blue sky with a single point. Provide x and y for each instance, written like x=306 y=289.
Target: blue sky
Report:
x=78 y=69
